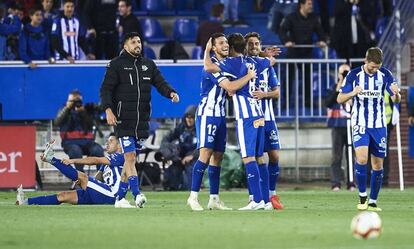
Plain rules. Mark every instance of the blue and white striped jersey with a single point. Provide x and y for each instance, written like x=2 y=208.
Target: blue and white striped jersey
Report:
x=68 y=30
x=368 y=107
x=245 y=106
x=266 y=81
x=213 y=97
x=112 y=172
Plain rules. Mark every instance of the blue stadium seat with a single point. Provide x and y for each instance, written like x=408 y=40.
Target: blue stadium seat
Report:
x=185 y=30
x=152 y=31
x=267 y=36
x=157 y=7
x=149 y=53
x=197 y=53
x=187 y=8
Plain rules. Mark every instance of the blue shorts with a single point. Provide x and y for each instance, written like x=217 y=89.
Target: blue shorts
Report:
x=131 y=144
x=211 y=133
x=374 y=138
x=250 y=134
x=271 y=136
x=97 y=193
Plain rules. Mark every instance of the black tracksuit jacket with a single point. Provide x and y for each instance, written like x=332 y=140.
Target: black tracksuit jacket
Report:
x=126 y=89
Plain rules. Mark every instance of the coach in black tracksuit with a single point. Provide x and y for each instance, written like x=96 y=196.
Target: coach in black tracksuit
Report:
x=126 y=97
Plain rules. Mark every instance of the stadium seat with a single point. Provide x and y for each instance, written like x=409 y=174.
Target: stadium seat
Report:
x=185 y=30
x=152 y=31
x=157 y=7
x=197 y=53
x=187 y=8
x=149 y=53
x=267 y=36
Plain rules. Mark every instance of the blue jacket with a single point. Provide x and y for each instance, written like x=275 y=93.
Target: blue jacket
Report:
x=33 y=44
x=5 y=30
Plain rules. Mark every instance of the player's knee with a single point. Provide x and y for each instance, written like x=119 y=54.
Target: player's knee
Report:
x=362 y=160
x=61 y=196
x=247 y=160
x=82 y=176
x=260 y=160
x=205 y=155
x=130 y=157
x=216 y=159
x=274 y=157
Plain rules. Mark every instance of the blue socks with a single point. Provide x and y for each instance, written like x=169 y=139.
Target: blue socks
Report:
x=264 y=181
x=253 y=179
x=134 y=185
x=214 y=179
x=122 y=191
x=66 y=170
x=376 y=182
x=273 y=175
x=198 y=173
x=44 y=200
x=361 y=177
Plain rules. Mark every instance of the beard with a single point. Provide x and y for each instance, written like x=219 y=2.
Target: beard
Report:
x=135 y=52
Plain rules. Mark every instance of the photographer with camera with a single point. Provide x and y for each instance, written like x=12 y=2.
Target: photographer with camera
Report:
x=180 y=147
x=76 y=126
x=337 y=120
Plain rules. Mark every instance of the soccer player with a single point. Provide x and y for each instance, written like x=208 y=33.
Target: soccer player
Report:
x=211 y=124
x=249 y=114
x=267 y=86
x=98 y=190
x=366 y=86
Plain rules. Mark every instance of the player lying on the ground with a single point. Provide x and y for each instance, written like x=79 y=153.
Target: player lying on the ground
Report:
x=98 y=190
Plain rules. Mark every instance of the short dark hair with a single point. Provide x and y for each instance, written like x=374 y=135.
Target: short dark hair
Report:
x=237 y=42
x=127 y=2
x=302 y=1
x=214 y=36
x=69 y=1
x=129 y=36
x=217 y=9
x=34 y=10
x=375 y=55
x=112 y=134
x=75 y=92
x=252 y=34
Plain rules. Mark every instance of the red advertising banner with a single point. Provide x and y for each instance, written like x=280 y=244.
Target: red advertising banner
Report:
x=17 y=156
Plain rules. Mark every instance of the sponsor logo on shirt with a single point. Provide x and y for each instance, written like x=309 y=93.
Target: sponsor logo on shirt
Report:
x=370 y=94
x=128 y=68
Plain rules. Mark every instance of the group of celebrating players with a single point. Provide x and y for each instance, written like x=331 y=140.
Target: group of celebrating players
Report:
x=234 y=66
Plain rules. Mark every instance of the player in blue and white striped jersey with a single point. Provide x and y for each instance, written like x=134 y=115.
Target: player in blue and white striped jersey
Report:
x=249 y=115
x=366 y=86
x=68 y=36
x=99 y=190
x=267 y=86
x=211 y=124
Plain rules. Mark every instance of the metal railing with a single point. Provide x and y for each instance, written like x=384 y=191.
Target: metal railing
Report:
x=398 y=30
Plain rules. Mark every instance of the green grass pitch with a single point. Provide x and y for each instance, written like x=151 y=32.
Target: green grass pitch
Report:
x=314 y=218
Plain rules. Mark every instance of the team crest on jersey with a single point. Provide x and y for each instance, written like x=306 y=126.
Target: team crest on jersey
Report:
x=273 y=135
x=263 y=84
x=210 y=139
x=126 y=143
x=382 y=144
x=144 y=68
x=357 y=138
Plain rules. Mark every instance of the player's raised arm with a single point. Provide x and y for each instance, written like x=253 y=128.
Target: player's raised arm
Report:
x=209 y=66
x=87 y=161
x=232 y=86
